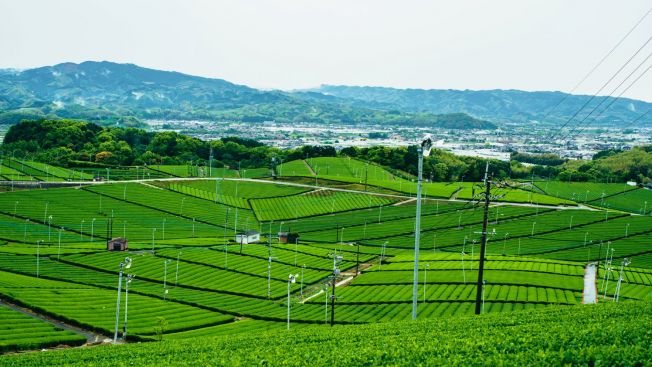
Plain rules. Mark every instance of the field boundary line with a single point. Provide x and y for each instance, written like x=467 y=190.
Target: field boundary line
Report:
x=309 y=168
x=153 y=208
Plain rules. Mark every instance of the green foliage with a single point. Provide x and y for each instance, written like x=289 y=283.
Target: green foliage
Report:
x=314 y=203
x=20 y=331
x=540 y=159
x=608 y=333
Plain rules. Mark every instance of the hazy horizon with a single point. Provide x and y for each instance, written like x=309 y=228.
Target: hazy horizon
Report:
x=287 y=45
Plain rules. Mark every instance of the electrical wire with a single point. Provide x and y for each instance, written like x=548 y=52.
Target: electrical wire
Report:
x=606 y=98
x=597 y=65
x=613 y=101
x=558 y=131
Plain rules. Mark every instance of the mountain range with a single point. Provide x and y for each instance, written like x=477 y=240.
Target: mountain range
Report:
x=108 y=92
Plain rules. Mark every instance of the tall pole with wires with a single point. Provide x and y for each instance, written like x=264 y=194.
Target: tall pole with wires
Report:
x=423 y=150
x=483 y=244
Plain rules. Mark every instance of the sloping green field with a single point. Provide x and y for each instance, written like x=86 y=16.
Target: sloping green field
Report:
x=605 y=334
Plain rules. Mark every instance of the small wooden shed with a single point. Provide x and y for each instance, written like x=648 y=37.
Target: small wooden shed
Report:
x=117 y=244
x=288 y=237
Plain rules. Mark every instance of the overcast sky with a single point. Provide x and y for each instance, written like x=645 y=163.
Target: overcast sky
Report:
x=287 y=44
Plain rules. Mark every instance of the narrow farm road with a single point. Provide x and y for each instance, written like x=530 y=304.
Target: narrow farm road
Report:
x=590 y=295
x=284 y=183
x=341 y=283
x=312 y=172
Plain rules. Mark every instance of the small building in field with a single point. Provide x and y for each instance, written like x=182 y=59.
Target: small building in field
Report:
x=117 y=244
x=247 y=237
x=632 y=183
x=288 y=237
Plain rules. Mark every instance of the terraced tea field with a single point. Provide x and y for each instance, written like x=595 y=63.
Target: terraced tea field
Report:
x=20 y=331
x=191 y=279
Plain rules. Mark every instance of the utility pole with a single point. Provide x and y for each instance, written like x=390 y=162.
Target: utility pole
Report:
x=483 y=244
x=357 y=261
x=366 y=168
x=333 y=301
x=210 y=162
x=336 y=271
x=423 y=151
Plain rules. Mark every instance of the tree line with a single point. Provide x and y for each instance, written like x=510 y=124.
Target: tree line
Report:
x=71 y=143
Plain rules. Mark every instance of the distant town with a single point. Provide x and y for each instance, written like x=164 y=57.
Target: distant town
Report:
x=496 y=144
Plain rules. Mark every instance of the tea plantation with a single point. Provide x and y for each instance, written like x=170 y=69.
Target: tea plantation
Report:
x=225 y=302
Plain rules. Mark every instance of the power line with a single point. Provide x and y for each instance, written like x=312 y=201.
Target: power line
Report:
x=597 y=65
x=637 y=119
x=616 y=99
x=601 y=88
x=612 y=92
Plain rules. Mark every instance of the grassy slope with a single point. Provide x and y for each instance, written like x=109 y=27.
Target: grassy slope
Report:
x=20 y=331
x=605 y=334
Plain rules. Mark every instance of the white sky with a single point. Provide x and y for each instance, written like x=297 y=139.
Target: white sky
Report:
x=286 y=44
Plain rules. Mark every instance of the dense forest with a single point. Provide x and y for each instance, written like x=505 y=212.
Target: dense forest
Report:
x=72 y=143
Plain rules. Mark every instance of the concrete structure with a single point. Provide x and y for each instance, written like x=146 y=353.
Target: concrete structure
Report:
x=247 y=237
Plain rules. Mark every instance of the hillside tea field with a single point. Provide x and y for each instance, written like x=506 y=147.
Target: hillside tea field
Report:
x=604 y=334
x=191 y=282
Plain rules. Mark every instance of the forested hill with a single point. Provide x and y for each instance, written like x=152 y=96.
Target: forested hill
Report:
x=107 y=92
x=494 y=105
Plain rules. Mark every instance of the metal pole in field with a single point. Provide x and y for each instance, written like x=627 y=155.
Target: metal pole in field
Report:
x=434 y=243
x=423 y=150
x=519 y=246
x=483 y=245
x=92 y=229
x=45 y=215
x=292 y=278
x=165 y=278
x=336 y=271
x=425 y=276
x=303 y=267
x=153 y=233
x=325 y=289
x=163 y=237
x=570 y=226
x=125 y=264
x=50 y=227
x=59 y=250
x=625 y=262
x=333 y=301
x=626 y=229
x=130 y=277
x=483 y=285
x=533 y=224
x=505 y=242
x=81 y=232
x=269 y=276
x=176 y=273
x=463 y=268
x=38 y=255
x=296 y=244
x=357 y=260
